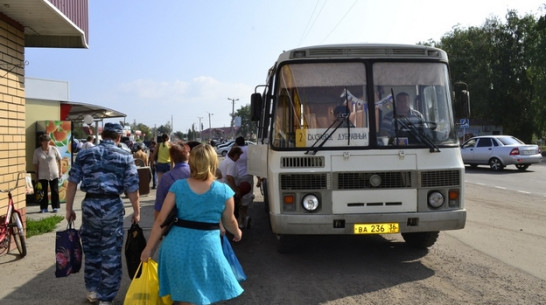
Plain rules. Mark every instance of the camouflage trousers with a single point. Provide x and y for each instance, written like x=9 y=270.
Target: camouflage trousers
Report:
x=102 y=240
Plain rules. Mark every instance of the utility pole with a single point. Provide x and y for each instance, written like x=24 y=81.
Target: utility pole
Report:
x=210 y=128
x=200 y=127
x=233 y=100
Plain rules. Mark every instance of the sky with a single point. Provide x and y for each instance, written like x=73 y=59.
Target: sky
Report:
x=190 y=62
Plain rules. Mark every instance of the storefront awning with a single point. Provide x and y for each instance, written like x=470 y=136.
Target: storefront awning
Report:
x=71 y=111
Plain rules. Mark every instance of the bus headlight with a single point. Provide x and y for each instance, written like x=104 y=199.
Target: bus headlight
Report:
x=310 y=202
x=435 y=199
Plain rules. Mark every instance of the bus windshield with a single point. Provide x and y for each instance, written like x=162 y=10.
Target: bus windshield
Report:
x=325 y=105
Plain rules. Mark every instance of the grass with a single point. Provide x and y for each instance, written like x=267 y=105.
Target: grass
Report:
x=44 y=225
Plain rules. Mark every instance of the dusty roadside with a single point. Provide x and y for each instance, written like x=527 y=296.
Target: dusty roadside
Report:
x=31 y=280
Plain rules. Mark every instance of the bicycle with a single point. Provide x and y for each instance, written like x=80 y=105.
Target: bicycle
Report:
x=11 y=225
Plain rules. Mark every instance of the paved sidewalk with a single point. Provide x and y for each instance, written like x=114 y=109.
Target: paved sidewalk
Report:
x=31 y=280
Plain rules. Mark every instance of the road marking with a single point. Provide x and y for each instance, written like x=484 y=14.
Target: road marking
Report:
x=505 y=188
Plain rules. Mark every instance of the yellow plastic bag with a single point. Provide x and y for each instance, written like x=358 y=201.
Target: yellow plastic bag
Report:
x=38 y=192
x=144 y=290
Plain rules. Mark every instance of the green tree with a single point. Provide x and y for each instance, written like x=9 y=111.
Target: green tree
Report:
x=467 y=50
x=77 y=130
x=145 y=131
x=537 y=75
x=512 y=90
x=179 y=135
x=167 y=129
x=495 y=61
x=248 y=127
x=193 y=135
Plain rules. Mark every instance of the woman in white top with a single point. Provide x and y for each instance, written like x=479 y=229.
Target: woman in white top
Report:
x=47 y=165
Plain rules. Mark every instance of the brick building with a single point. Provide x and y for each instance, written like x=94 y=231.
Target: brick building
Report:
x=23 y=24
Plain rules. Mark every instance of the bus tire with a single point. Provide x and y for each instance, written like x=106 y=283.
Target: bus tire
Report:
x=421 y=240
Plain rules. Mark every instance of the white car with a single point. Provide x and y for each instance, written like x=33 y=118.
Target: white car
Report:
x=224 y=150
x=226 y=143
x=498 y=151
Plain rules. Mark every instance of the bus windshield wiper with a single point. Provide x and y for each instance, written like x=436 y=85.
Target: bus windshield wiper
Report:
x=341 y=116
x=323 y=138
x=408 y=125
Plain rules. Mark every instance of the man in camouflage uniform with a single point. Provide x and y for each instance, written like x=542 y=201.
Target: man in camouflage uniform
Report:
x=105 y=171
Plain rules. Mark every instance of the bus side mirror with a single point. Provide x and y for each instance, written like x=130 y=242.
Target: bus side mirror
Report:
x=256 y=106
x=465 y=103
x=462 y=99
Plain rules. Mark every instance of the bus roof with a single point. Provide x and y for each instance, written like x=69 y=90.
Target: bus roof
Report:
x=340 y=51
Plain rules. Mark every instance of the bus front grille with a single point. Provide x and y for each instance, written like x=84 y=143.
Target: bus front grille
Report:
x=440 y=178
x=304 y=181
x=361 y=180
x=302 y=162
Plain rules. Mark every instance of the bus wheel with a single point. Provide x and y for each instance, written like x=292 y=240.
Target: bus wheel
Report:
x=421 y=240
x=285 y=243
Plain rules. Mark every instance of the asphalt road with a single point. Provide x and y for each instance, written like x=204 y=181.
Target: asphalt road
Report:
x=530 y=181
x=497 y=259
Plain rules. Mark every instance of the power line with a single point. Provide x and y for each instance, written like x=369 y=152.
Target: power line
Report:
x=304 y=34
x=311 y=24
x=339 y=22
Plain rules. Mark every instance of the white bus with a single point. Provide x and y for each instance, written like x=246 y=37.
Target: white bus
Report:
x=339 y=152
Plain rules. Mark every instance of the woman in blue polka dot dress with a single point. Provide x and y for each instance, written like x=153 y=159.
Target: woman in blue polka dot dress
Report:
x=191 y=266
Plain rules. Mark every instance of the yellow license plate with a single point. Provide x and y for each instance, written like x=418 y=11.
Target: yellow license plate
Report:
x=376 y=228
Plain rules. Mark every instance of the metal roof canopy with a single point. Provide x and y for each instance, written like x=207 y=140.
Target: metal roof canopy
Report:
x=45 y=25
x=78 y=111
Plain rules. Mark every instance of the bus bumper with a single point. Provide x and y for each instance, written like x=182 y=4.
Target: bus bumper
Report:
x=316 y=224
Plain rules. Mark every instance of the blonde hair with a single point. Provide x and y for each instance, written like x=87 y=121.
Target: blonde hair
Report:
x=203 y=162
